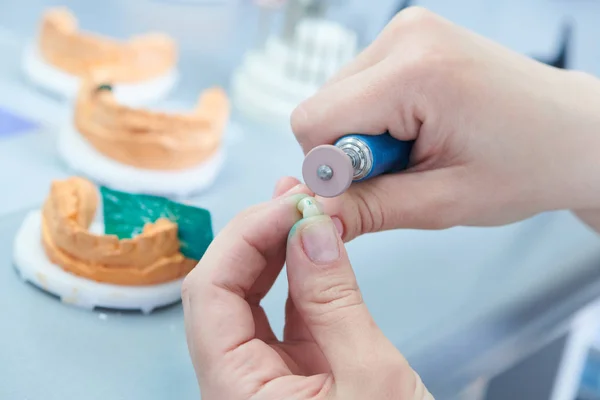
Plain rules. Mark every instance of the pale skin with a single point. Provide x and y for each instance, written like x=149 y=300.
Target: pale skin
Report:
x=331 y=347
x=499 y=138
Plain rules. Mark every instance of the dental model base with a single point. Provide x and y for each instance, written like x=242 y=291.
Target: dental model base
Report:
x=144 y=151
x=328 y=170
x=275 y=77
x=143 y=68
x=83 y=158
x=135 y=259
x=34 y=266
x=65 y=85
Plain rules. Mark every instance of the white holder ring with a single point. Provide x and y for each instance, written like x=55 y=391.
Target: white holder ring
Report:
x=34 y=266
x=61 y=83
x=84 y=159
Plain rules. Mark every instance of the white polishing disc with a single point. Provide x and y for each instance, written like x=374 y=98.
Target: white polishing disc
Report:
x=33 y=265
x=82 y=157
x=66 y=85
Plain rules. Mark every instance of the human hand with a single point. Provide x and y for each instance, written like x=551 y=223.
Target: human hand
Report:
x=499 y=136
x=331 y=347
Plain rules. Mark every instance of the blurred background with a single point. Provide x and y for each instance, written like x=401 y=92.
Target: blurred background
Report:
x=217 y=32
x=475 y=312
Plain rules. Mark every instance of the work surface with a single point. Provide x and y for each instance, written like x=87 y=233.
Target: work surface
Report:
x=457 y=303
x=451 y=301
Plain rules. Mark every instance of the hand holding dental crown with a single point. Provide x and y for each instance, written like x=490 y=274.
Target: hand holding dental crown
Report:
x=328 y=327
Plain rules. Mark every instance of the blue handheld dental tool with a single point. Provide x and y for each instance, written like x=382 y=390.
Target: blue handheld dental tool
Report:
x=328 y=170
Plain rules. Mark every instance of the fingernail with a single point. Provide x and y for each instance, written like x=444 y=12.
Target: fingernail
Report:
x=299 y=116
x=292 y=190
x=289 y=192
x=338 y=225
x=320 y=241
x=276 y=190
x=293 y=198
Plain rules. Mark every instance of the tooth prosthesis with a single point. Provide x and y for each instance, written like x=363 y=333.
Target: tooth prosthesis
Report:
x=310 y=207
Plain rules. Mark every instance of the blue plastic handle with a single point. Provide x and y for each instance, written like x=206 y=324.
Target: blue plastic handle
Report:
x=389 y=154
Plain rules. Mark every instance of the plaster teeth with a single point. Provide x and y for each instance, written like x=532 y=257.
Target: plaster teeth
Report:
x=309 y=207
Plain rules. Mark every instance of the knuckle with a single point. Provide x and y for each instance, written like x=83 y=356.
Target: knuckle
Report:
x=194 y=281
x=429 y=53
x=580 y=74
x=387 y=370
x=370 y=211
x=246 y=216
x=328 y=298
x=187 y=286
x=250 y=211
x=413 y=17
x=300 y=124
x=397 y=373
x=582 y=77
x=430 y=66
x=343 y=209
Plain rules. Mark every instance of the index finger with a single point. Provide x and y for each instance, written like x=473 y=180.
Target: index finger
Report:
x=359 y=99
x=216 y=293
x=360 y=103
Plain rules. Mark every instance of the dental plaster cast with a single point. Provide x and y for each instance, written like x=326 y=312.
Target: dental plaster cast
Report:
x=143 y=67
x=145 y=151
x=58 y=250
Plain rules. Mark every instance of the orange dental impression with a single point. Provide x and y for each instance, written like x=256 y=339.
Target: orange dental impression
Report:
x=150 y=139
x=138 y=59
x=150 y=258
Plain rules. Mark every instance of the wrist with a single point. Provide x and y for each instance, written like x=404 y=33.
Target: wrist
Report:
x=573 y=175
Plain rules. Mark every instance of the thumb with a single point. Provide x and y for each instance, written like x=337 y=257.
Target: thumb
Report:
x=325 y=292
x=411 y=200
